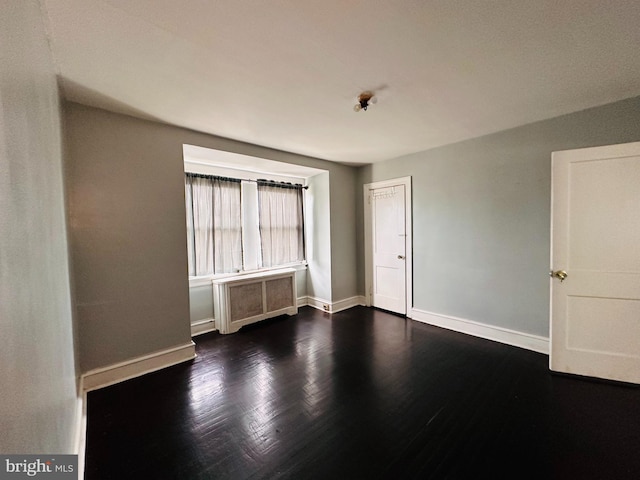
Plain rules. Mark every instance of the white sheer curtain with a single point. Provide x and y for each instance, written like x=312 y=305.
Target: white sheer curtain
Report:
x=281 y=224
x=227 y=222
x=214 y=228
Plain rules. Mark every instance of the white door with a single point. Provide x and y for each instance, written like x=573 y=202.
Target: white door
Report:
x=595 y=310
x=388 y=248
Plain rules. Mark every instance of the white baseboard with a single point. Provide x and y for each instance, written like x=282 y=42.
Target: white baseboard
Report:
x=334 y=307
x=203 y=326
x=498 y=334
x=303 y=301
x=319 y=303
x=103 y=377
x=347 y=303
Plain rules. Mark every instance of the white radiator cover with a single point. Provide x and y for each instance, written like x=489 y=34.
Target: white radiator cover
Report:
x=245 y=299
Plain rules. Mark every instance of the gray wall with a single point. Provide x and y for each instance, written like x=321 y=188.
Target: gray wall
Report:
x=200 y=303
x=127 y=226
x=481 y=215
x=127 y=222
x=38 y=396
x=344 y=276
x=318 y=237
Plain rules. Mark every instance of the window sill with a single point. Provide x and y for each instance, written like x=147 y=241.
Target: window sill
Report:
x=205 y=280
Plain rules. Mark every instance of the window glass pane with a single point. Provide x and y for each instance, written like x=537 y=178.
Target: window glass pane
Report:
x=214 y=225
x=281 y=225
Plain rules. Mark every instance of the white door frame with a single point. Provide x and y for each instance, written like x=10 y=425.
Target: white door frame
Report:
x=368 y=241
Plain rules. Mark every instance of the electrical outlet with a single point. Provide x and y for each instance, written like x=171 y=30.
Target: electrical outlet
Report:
x=326 y=307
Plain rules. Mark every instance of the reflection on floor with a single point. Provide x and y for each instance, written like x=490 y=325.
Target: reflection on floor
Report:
x=361 y=394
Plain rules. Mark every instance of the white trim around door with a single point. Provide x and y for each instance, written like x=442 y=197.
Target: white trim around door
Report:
x=368 y=240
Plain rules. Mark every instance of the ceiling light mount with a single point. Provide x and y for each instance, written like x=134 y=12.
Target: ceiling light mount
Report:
x=365 y=100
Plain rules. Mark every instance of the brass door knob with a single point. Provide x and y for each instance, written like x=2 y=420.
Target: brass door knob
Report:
x=561 y=274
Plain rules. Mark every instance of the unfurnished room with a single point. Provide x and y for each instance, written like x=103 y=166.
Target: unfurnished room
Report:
x=319 y=239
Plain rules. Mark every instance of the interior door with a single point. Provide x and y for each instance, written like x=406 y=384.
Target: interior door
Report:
x=595 y=261
x=388 y=235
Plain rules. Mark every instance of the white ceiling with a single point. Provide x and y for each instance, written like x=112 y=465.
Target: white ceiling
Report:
x=286 y=73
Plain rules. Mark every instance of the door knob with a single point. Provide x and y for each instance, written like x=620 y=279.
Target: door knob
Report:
x=561 y=274
x=400 y=257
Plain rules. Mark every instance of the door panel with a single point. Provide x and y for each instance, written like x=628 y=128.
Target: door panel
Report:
x=388 y=235
x=595 y=311
x=604 y=211
x=593 y=335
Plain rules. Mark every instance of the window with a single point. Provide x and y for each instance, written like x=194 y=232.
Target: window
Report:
x=281 y=224
x=214 y=224
x=233 y=226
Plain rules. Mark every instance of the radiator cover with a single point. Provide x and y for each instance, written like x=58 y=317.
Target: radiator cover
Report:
x=244 y=299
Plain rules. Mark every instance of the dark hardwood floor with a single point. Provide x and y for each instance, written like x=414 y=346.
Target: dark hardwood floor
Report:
x=361 y=394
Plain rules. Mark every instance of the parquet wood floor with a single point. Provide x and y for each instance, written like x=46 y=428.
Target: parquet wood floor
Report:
x=361 y=394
